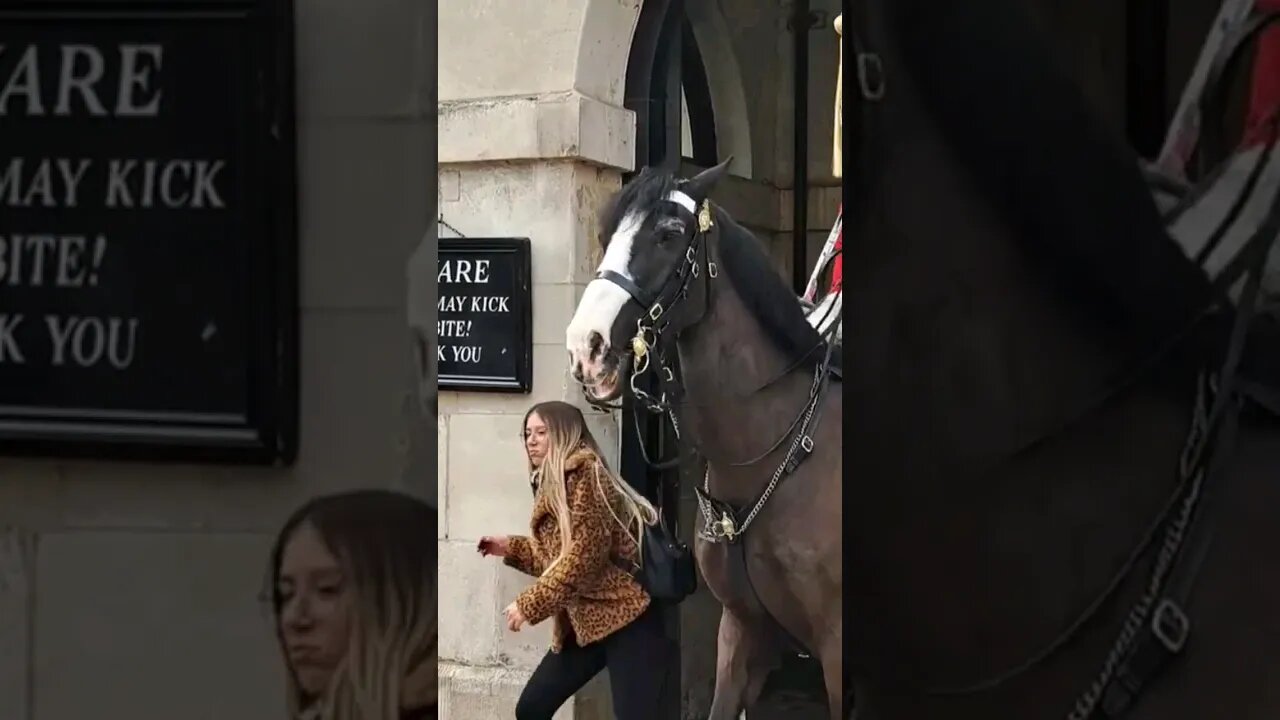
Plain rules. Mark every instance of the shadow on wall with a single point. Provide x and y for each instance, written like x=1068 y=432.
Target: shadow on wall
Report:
x=420 y=469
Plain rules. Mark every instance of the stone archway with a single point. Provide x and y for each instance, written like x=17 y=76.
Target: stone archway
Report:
x=724 y=76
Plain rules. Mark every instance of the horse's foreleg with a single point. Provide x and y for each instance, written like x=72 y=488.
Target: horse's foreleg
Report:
x=831 y=655
x=744 y=658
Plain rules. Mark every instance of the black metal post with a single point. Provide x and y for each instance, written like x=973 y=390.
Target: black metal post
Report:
x=1146 y=74
x=800 y=24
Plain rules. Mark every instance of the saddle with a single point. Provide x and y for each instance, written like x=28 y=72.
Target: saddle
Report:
x=1212 y=227
x=1212 y=220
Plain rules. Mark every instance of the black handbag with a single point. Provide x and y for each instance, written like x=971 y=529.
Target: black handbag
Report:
x=667 y=570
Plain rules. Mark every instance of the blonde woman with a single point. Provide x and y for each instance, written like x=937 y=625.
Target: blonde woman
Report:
x=353 y=593
x=586 y=526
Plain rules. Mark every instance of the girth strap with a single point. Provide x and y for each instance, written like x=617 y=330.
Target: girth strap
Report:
x=739 y=577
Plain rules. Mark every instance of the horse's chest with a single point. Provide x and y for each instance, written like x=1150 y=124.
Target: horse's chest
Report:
x=724 y=567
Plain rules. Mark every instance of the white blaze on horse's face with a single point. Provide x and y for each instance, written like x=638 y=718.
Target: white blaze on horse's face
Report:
x=587 y=336
x=589 y=333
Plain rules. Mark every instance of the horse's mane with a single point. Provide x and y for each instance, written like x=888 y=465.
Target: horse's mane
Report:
x=644 y=190
x=749 y=268
x=1022 y=129
x=769 y=300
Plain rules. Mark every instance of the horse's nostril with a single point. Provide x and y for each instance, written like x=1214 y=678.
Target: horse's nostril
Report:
x=595 y=344
x=577 y=372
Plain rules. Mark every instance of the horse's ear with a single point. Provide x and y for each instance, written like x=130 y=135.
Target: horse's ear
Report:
x=699 y=186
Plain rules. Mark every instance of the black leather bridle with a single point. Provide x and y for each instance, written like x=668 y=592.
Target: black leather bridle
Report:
x=664 y=316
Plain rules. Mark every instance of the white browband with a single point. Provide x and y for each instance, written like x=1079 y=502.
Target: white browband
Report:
x=684 y=201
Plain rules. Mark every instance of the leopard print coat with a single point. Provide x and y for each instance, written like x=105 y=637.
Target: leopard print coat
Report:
x=587 y=593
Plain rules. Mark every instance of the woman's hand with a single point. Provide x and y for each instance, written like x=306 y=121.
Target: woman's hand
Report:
x=515 y=618
x=496 y=545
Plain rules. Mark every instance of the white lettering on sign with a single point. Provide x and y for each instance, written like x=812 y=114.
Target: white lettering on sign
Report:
x=171 y=184
x=82 y=70
x=49 y=182
x=456 y=343
x=63 y=261
x=106 y=83
x=490 y=304
x=463 y=271
x=86 y=341
x=9 y=352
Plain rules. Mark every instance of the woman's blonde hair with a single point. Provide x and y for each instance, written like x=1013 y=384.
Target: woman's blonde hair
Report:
x=384 y=542
x=567 y=431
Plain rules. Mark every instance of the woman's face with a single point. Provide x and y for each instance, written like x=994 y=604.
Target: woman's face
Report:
x=315 y=609
x=535 y=439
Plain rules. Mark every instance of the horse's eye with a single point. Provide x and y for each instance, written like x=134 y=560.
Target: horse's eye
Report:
x=670 y=231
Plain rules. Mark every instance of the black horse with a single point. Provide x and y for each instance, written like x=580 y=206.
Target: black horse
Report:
x=1044 y=445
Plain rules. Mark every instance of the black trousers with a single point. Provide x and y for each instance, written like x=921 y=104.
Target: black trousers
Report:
x=639 y=661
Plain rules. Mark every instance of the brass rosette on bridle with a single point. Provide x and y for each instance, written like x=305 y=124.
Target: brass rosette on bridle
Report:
x=704 y=216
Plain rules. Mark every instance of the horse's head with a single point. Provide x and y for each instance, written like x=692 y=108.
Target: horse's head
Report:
x=646 y=231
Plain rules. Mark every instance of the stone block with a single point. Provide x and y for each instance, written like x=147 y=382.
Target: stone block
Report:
x=604 y=426
x=560 y=125
x=484 y=693
x=751 y=203
x=488 y=482
x=17 y=564
x=524 y=200
x=367 y=64
x=555 y=205
x=30 y=493
x=442 y=476
x=123 y=495
x=175 y=618
x=427 y=78
x=355 y=421
x=364 y=207
x=554 y=306
x=551 y=381
x=607 y=29
x=594 y=188
x=354 y=379
x=417 y=448
x=473 y=591
x=488 y=47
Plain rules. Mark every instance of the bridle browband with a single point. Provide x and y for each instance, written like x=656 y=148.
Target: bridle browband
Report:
x=687 y=209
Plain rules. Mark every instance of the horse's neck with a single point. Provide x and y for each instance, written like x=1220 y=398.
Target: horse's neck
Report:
x=723 y=359
x=958 y=343
x=964 y=357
